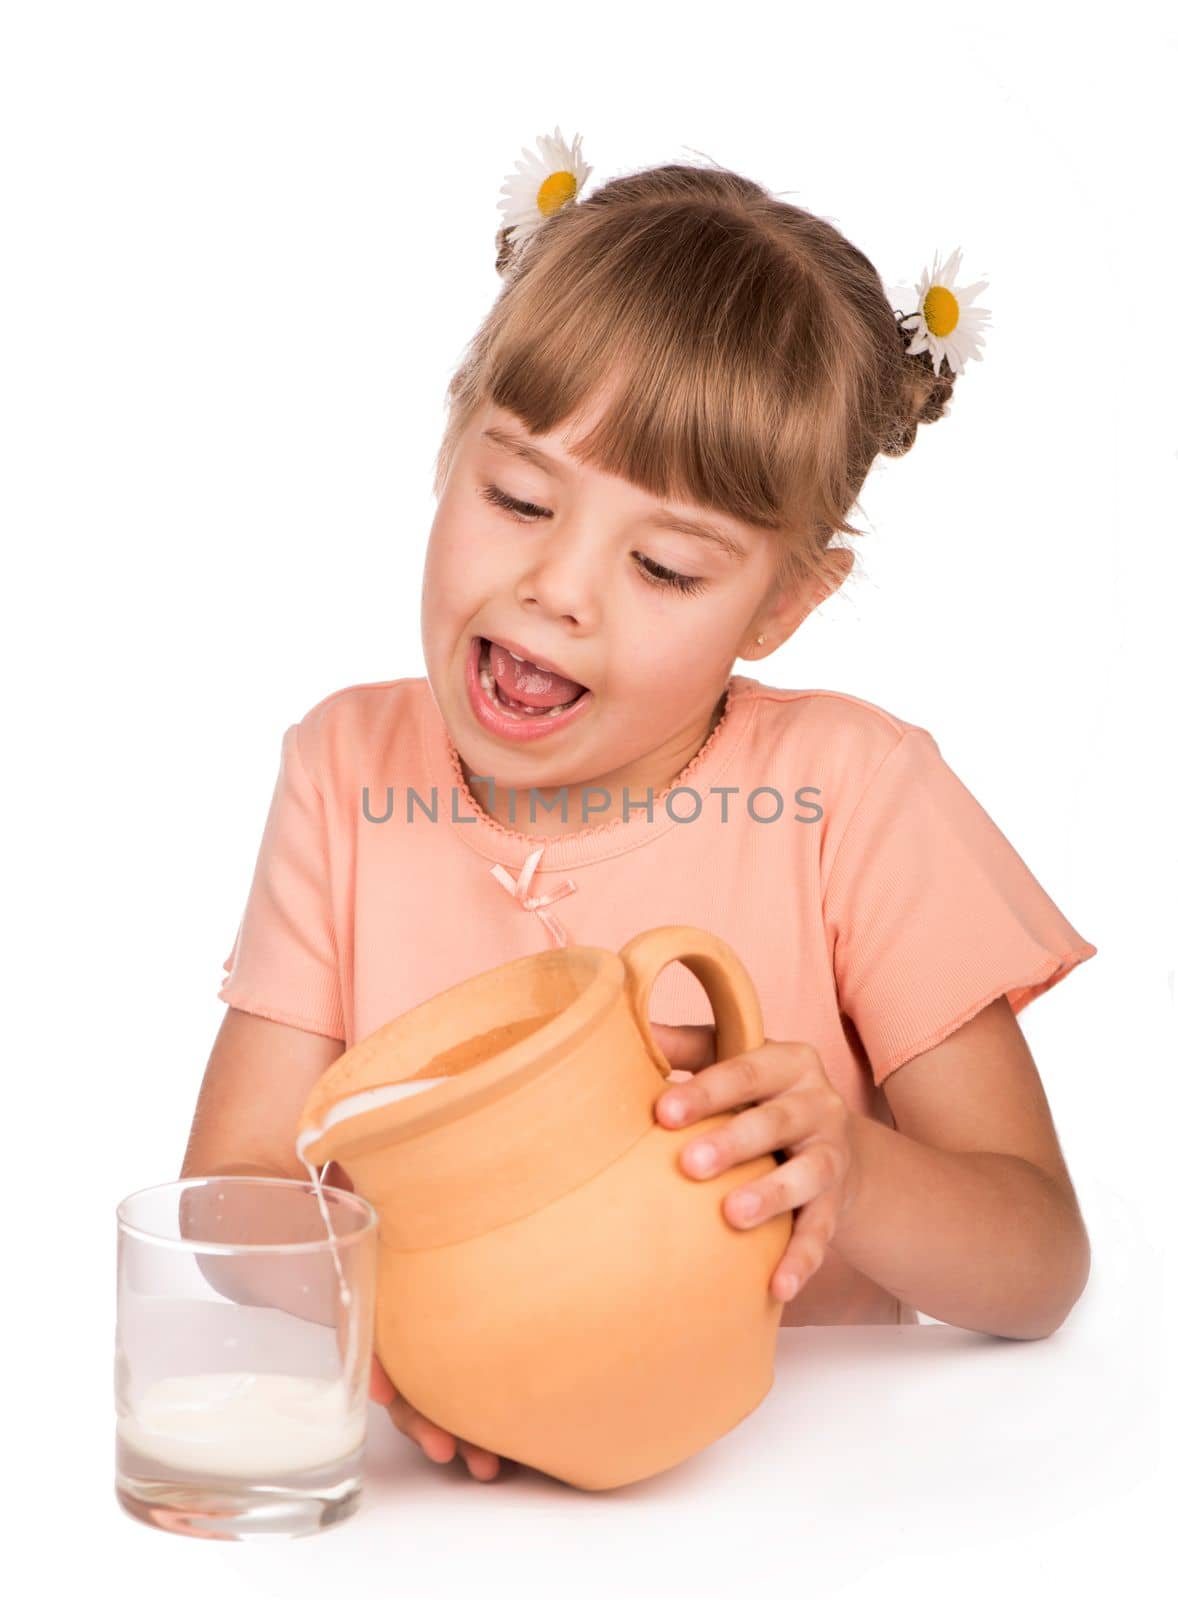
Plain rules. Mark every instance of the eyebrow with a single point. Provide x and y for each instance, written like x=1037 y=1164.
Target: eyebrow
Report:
x=661 y=518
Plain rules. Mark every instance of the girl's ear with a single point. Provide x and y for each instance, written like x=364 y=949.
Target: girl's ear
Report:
x=786 y=613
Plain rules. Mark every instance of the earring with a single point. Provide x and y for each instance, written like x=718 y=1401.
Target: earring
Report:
x=760 y=638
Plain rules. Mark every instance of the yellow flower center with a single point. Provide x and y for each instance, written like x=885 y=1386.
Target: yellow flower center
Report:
x=557 y=189
x=941 y=310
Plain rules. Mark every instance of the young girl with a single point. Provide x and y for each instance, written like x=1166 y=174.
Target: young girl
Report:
x=652 y=442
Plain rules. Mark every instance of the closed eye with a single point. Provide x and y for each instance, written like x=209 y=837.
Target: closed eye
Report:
x=525 y=511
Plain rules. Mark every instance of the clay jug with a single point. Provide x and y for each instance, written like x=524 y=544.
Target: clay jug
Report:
x=552 y=1286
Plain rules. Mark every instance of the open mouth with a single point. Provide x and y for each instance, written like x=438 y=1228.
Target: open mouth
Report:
x=523 y=709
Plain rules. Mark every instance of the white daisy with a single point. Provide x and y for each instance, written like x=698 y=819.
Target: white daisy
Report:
x=542 y=184
x=945 y=320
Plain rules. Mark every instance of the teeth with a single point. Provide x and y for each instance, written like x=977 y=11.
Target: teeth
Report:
x=513 y=655
x=489 y=689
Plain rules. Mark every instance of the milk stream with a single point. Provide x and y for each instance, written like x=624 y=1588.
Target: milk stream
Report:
x=350 y=1106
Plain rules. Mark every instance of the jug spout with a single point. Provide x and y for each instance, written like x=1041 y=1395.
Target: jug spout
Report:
x=324 y=1131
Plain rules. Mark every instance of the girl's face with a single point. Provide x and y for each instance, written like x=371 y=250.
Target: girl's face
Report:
x=585 y=571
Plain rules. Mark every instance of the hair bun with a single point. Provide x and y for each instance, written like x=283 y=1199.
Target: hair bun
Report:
x=925 y=396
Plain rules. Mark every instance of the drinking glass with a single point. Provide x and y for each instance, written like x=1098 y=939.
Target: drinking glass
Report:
x=243 y=1352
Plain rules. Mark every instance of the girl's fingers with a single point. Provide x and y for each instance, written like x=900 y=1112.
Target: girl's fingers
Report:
x=768 y=1125
x=811 y=1176
x=688 y=1046
x=436 y=1442
x=481 y=1463
x=441 y=1446
x=813 y=1228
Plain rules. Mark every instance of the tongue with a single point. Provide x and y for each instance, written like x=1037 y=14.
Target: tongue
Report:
x=529 y=684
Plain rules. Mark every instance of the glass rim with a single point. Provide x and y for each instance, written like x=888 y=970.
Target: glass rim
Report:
x=219 y=1247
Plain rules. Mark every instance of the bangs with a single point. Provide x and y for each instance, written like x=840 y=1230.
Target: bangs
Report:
x=719 y=394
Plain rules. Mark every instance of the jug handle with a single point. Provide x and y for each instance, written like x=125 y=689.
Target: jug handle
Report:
x=730 y=991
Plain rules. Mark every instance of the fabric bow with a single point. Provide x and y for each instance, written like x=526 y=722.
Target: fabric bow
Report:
x=518 y=888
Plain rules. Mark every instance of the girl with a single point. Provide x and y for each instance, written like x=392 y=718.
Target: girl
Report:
x=652 y=443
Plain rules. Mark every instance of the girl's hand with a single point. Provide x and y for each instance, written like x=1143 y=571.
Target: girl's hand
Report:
x=437 y=1444
x=791 y=1106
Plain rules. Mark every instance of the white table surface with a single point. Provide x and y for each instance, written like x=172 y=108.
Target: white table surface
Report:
x=884 y=1460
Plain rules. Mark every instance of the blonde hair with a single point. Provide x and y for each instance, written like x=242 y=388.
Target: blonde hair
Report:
x=760 y=368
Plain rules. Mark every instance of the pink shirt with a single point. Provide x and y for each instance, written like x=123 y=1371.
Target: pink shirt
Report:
x=874 y=903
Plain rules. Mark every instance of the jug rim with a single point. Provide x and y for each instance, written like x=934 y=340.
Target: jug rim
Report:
x=464 y=1092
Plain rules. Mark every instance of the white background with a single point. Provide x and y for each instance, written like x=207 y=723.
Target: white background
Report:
x=241 y=249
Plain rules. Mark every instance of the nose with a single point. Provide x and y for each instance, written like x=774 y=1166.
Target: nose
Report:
x=564 y=579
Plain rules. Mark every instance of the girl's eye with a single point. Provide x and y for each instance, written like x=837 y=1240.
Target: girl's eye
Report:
x=524 y=511
x=668 y=579
x=521 y=510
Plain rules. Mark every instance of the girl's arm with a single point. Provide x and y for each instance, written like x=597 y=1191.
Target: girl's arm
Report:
x=257 y=1080
x=965 y=1209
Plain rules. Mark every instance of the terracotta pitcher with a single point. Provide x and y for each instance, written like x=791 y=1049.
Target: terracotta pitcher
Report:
x=552 y=1286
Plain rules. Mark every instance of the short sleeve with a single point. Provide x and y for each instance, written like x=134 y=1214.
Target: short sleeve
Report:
x=933 y=912
x=284 y=963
